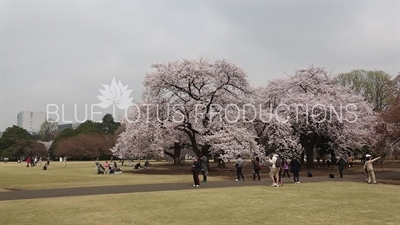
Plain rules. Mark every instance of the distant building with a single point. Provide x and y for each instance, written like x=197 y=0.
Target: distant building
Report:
x=31 y=121
x=62 y=127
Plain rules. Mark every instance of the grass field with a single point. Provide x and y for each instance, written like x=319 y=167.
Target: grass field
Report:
x=305 y=203
x=77 y=174
x=310 y=203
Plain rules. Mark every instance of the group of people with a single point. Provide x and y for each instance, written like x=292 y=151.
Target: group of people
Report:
x=33 y=161
x=279 y=168
x=138 y=165
x=108 y=168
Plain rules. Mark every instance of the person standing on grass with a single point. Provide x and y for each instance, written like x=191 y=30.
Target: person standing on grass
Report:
x=369 y=168
x=48 y=160
x=204 y=168
x=256 y=168
x=274 y=172
x=32 y=161
x=28 y=161
x=295 y=168
x=341 y=163
x=65 y=161
x=285 y=169
x=239 y=167
x=196 y=168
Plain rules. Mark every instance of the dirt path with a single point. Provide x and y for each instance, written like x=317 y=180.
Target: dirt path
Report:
x=101 y=190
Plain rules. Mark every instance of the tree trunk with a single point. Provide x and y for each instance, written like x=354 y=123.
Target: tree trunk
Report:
x=308 y=142
x=176 y=155
x=310 y=156
x=177 y=160
x=216 y=158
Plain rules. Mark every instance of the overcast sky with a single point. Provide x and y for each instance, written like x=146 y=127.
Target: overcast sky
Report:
x=63 y=52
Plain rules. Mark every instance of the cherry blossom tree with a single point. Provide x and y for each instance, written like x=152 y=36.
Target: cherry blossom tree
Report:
x=199 y=92
x=316 y=107
x=148 y=134
x=210 y=108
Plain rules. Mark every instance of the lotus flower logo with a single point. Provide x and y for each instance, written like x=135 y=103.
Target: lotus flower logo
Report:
x=116 y=94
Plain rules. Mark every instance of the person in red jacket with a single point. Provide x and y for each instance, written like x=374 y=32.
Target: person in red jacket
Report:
x=28 y=161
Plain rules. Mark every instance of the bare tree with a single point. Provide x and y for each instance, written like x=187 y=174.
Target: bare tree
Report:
x=48 y=130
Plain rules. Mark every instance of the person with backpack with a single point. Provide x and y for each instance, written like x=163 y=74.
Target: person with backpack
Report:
x=256 y=168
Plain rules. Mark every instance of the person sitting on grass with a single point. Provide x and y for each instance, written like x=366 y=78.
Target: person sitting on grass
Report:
x=116 y=168
x=146 y=164
x=111 y=169
x=137 y=166
x=45 y=166
x=100 y=169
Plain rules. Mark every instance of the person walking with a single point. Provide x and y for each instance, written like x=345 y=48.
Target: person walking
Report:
x=204 y=168
x=369 y=168
x=239 y=167
x=274 y=169
x=256 y=168
x=341 y=163
x=196 y=168
x=295 y=168
x=285 y=169
x=48 y=160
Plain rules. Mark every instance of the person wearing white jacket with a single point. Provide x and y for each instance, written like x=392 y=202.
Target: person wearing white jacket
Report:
x=273 y=170
x=369 y=169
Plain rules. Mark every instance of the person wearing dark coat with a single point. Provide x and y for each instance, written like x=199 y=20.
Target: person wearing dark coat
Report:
x=295 y=168
x=204 y=168
x=196 y=168
x=256 y=168
x=341 y=163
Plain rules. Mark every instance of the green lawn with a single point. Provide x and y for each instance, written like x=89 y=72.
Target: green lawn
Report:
x=76 y=174
x=308 y=203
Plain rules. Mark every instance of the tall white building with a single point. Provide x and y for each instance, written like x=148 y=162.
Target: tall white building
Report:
x=31 y=121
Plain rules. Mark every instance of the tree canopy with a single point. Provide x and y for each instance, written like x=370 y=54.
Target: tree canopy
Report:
x=211 y=108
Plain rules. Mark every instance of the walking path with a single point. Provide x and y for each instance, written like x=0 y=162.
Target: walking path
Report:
x=101 y=190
